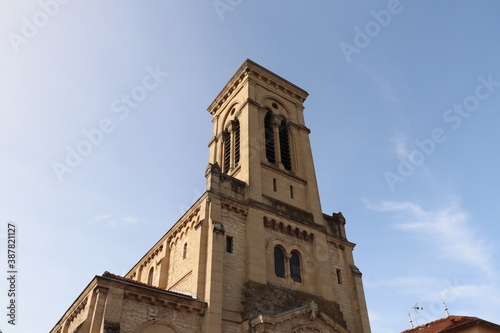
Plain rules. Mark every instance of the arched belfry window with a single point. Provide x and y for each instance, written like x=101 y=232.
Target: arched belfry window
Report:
x=279 y=262
x=295 y=267
x=269 y=133
x=277 y=141
x=231 y=146
x=285 y=145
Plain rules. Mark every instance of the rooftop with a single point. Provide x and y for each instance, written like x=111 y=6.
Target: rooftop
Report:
x=449 y=324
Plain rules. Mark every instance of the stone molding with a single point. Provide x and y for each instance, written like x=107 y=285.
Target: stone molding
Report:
x=178 y=304
x=152 y=255
x=288 y=229
x=285 y=173
x=79 y=308
x=230 y=205
x=73 y=314
x=182 y=227
x=249 y=70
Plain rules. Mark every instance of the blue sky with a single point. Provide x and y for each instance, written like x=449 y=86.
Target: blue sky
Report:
x=403 y=107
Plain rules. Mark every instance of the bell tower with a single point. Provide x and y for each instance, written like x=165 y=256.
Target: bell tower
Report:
x=261 y=164
x=259 y=137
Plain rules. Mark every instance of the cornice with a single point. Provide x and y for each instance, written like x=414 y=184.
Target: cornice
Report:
x=250 y=69
x=339 y=242
x=235 y=206
x=228 y=90
x=177 y=304
x=284 y=173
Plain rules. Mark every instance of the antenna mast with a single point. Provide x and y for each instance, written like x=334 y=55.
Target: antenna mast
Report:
x=446 y=309
x=411 y=321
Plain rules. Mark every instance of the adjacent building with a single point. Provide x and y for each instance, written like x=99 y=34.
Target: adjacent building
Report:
x=456 y=324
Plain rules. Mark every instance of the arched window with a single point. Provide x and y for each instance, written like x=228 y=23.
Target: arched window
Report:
x=231 y=146
x=279 y=262
x=295 y=267
x=150 y=275
x=269 y=133
x=277 y=152
x=285 y=145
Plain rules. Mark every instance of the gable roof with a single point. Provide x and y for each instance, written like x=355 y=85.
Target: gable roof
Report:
x=449 y=324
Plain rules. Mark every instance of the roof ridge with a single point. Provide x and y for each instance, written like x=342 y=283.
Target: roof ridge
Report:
x=452 y=319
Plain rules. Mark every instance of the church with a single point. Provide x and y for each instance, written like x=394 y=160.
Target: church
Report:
x=255 y=253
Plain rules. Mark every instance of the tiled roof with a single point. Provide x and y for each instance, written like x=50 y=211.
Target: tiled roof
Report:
x=141 y=284
x=441 y=324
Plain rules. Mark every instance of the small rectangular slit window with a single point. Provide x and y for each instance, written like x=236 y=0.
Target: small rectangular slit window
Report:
x=339 y=276
x=274 y=184
x=184 y=252
x=229 y=244
x=291 y=191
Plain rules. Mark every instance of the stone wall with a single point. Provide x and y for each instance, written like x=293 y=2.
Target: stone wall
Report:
x=234 y=263
x=342 y=290
x=272 y=300
x=138 y=315
x=184 y=258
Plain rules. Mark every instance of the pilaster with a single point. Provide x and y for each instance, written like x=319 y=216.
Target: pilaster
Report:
x=100 y=305
x=212 y=322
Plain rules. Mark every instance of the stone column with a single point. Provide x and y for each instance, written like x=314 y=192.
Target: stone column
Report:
x=277 y=149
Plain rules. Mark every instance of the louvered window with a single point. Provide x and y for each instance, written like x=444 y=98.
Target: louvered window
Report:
x=227 y=151
x=285 y=146
x=236 y=143
x=268 y=126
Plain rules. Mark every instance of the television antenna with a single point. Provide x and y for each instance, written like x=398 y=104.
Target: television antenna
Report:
x=415 y=309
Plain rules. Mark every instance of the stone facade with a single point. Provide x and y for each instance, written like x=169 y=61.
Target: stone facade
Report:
x=255 y=253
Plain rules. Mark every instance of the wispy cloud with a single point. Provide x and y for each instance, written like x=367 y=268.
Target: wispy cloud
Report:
x=400 y=145
x=432 y=294
x=425 y=288
x=113 y=222
x=448 y=229
x=403 y=282
x=385 y=87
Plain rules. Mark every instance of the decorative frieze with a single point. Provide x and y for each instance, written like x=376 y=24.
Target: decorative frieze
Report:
x=183 y=226
x=79 y=308
x=233 y=206
x=151 y=256
x=288 y=229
